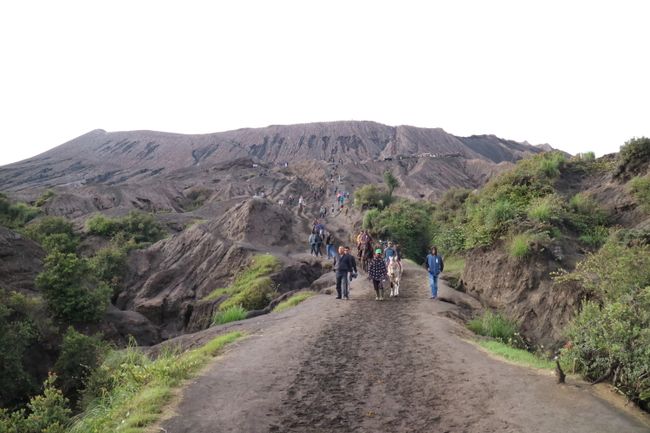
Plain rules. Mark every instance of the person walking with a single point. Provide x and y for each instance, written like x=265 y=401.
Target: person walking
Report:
x=377 y=272
x=329 y=246
x=319 y=242
x=435 y=265
x=389 y=252
x=344 y=264
x=301 y=204
x=312 y=242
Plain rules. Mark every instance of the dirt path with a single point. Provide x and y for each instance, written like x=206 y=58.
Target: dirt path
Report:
x=392 y=366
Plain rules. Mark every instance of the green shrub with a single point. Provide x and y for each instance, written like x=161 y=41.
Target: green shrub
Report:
x=80 y=355
x=498 y=327
x=408 y=223
x=610 y=334
x=634 y=155
x=391 y=182
x=101 y=225
x=17 y=333
x=294 y=300
x=48 y=413
x=640 y=189
x=231 y=314
x=15 y=215
x=109 y=265
x=44 y=198
x=520 y=246
x=54 y=234
x=137 y=227
x=71 y=291
x=587 y=156
x=196 y=198
x=370 y=219
x=371 y=196
x=595 y=236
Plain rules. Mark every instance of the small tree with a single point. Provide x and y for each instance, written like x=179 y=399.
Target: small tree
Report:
x=391 y=182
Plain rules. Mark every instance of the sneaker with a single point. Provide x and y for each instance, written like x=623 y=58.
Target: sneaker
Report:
x=433 y=297
x=376 y=298
x=338 y=297
x=347 y=298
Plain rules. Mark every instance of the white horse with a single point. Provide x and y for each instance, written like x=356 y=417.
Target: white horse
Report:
x=394 y=275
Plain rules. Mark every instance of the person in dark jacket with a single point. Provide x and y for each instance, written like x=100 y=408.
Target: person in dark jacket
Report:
x=435 y=265
x=377 y=272
x=344 y=264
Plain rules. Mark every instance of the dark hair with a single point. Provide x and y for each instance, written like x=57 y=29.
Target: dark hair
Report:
x=434 y=248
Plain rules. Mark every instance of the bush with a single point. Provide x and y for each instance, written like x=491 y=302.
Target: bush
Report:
x=587 y=156
x=640 y=189
x=44 y=198
x=371 y=196
x=80 y=356
x=498 y=327
x=137 y=227
x=370 y=219
x=231 y=314
x=17 y=333
x=408 y=223
x=109 y=265
x=54 y=234
x=15 y=215
x=634 y=156
x=520 y=246
x=48 y=413
x=72 y=293
x=595 y=236
x=609 y=337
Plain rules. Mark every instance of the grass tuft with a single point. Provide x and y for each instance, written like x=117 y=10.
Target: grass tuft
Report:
x=519 y=246
x=496 y=326
x=516 y=356
x=232 y=314
x=293 y=301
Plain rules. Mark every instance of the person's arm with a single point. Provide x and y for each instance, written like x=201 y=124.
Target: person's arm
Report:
x=442 y=264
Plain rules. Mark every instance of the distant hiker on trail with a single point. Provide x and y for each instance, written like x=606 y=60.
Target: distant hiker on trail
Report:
x=435 y=265
x=344 y=264
x=315 y=241
x=351 y=276
x=329 y=246
x=281 y=202
x=319 y=243
x=290 y=200
x=323 y=212
x=389 y=252
x=377 y=272
x=301 y=204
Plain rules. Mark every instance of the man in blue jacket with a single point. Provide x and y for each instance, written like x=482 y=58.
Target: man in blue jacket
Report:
x=435 y=265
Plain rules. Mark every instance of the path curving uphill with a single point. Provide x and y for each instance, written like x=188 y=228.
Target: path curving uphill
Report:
x=365 y=366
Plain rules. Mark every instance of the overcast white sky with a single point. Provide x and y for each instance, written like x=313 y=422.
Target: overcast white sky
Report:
x=575 y=74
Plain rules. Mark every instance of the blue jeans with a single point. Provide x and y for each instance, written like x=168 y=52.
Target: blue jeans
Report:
x=433 y=283
x=330 y=251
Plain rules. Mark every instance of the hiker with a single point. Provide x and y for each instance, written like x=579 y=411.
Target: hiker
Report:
x=435 y=265
x=377 y=272
x=344 y=264
x=319 y=242
x=314 y=242
x=389 y=252
x=329 y=245
x=290 y=199
x=301 y=204
x=351 y=276
x=323 y=212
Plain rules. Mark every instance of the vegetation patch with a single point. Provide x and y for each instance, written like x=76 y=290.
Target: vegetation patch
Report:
x=372 y=196
x=519 y=246
x=128 y=391
x=610 y=338
x=136 y=230
x=516 y=356
x=634 y=156
x=252 y=288
x=16 y=215
x=231 y=314
x=496 y=326
x=454 y=267
x=640 y=189
x=293 y=301
x=44 y=198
